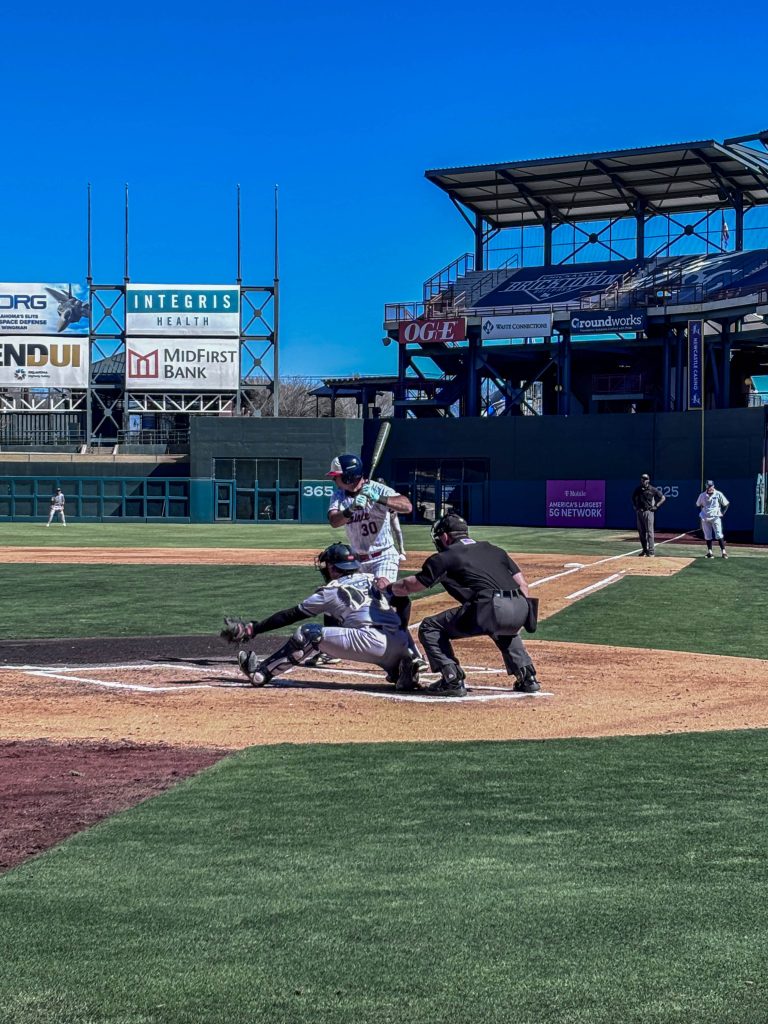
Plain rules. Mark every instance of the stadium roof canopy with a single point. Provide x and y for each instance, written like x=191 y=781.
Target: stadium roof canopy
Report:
x=678 y=178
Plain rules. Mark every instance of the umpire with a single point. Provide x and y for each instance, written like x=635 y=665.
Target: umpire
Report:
x=494 y=602
x=646 y=499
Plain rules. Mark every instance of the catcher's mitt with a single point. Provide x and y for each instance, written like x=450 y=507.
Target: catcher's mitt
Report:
x=235 y=630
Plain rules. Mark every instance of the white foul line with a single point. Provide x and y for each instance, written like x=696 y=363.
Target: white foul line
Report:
x=595 y=586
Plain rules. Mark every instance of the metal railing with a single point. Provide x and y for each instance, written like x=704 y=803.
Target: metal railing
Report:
x=448 y=275
x=45 y=438
x=170 y=437
x=617 y=383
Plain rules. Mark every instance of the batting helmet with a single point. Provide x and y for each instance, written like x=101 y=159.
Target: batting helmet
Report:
x=348 y=467
x=340 y=557
x=453 y=525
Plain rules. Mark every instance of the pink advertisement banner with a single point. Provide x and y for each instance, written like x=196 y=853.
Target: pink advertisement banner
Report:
x=575 y=503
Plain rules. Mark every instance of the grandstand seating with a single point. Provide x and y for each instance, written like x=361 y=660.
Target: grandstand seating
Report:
x=617 y=285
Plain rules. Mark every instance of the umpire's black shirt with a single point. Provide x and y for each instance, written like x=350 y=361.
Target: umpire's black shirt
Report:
x=645 y=499
x=470 y=569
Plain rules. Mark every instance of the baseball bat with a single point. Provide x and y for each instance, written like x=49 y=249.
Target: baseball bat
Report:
x=378 y=448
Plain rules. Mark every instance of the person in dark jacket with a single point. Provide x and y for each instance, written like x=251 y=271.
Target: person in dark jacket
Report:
x=646 y=500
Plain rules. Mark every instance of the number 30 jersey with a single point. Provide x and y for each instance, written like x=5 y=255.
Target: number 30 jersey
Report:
x=369 y=529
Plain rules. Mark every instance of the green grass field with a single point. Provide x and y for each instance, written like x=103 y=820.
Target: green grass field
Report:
x=618 y=881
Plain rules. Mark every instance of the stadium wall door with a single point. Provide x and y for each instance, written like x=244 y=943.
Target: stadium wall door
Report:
x=439 y=486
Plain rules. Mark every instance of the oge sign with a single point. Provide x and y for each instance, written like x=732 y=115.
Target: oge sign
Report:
x=426 y=331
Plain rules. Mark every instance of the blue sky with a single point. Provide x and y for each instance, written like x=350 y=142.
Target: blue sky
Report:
x=344 y=106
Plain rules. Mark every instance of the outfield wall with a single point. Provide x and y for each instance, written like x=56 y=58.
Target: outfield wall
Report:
x=524 y=452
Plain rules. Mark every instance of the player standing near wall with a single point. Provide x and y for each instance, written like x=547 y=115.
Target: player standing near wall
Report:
x=58 y=501
x=646 y=499
x=712 y=505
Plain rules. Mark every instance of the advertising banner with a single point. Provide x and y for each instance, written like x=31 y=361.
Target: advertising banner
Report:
x=575 y=503
x=181 y=364
x=182 y=310
x=597 y=321
x=425 y=331
x=30 y=362
x=527 y=325
x=695 y=365
x=44 y=309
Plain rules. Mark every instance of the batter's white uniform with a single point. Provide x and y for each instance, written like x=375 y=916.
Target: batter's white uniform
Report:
x=369 y=531
x=711 y=508
x=370 y=629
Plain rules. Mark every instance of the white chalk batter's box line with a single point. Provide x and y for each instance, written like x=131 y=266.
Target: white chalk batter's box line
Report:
x=66 y=674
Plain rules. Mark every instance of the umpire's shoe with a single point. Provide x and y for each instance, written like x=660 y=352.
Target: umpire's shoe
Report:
x=249 y=666
x=452 y=683
x=527 y=682
x=408 y=674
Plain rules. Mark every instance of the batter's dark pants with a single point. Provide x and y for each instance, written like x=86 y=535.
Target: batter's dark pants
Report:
x=645 y=530
x=500 y=618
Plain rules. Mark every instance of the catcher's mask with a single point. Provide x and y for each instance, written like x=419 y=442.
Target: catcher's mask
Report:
x=348 y=467
x=340 y=557
x=453 y=525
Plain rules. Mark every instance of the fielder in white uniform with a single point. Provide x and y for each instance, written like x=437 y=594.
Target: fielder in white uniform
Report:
x=369 y=629
x=58 y=501
x=712 y=505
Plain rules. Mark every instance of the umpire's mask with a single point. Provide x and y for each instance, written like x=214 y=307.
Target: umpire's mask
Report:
x=453 y=525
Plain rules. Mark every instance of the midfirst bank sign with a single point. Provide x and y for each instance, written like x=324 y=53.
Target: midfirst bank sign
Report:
x=182 y=310
x=179 y=364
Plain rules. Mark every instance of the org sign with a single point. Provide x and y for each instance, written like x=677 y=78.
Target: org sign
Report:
x=432 y=331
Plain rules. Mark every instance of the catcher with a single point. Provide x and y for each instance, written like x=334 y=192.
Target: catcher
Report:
x=369 y=628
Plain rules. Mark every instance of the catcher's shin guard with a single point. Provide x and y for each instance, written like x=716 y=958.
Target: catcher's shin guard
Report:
x=304 y=642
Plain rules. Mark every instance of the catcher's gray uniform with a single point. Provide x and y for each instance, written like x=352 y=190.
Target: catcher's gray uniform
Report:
x=369 y=630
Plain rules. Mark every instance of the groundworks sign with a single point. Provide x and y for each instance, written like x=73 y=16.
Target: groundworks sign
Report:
x=575 y=502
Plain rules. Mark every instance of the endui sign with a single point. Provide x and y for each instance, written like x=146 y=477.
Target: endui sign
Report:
x=601 y=321
x=26 y=361
x=180 y=365
x=182 y=310
x=575 y=503
x=426 y=331
x=530 y=325
x=44 y=309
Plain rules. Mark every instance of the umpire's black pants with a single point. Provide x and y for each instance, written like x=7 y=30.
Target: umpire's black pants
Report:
x=500 y=618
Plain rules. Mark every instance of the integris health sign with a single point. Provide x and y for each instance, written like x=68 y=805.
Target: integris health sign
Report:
x=191 y=310
x=30 y=362
x=181 y=364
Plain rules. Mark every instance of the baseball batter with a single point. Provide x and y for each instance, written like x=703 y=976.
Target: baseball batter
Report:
x=712 y=505
x=369 y=629
x=58 y=501
x=364 y=507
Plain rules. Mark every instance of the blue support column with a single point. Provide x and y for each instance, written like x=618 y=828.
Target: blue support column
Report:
x=640 y=232
x=400 y=412
x=738 y=208
x=479 y=242
x=471 y=400
x=566 y=381
x=547 y=224
x=667 y=373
